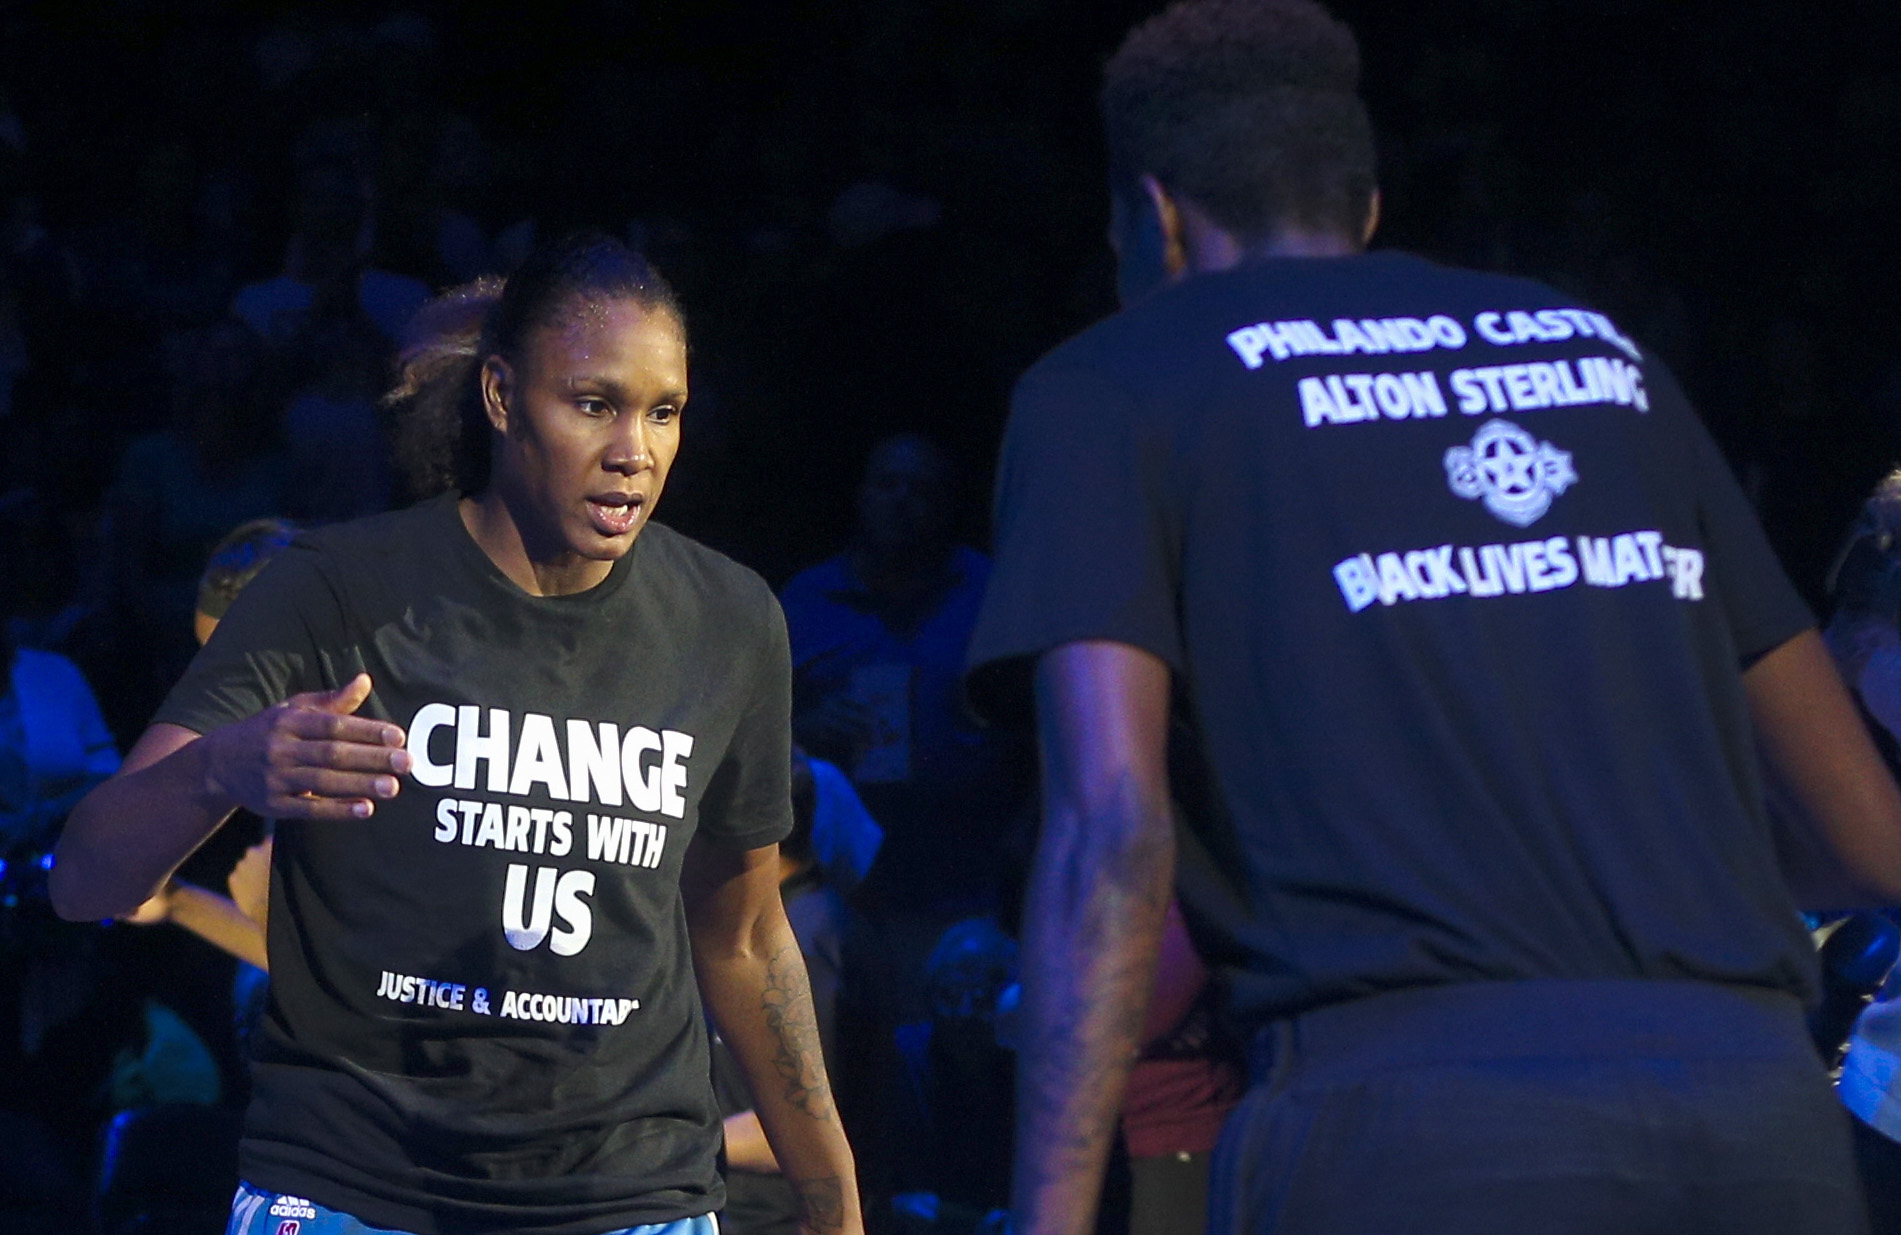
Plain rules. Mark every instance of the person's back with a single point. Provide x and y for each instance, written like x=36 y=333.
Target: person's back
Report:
x=1404 y=622
x=1455 y=527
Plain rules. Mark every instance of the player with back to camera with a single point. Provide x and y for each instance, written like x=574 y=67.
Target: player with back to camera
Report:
x=1463 y=628
x=528 y=752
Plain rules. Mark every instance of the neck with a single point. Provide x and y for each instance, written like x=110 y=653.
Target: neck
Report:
x=1208 y=248
x=533 y=564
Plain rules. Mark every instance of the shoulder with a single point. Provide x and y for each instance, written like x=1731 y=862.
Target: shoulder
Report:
x=705 y=579
x=378 y=556
x=396 y=541
x=422 y=524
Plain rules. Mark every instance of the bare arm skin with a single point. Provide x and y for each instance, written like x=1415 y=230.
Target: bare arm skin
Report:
x=1826 y=777
x=746 y=1146
x=1098 y=898
x=215 y=919
x=306 y=758
x=250 y=884
x=753 y=980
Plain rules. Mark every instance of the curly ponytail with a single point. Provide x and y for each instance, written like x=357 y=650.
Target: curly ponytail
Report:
x=441 y=435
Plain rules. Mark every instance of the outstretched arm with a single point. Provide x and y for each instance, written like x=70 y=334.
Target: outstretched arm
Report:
x=753 y=980
x=1099 y=892
x=1827 y=778
x=307 y=758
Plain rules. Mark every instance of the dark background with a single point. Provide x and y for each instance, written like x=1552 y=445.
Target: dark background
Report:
x=878 y=212
x=1719 y=176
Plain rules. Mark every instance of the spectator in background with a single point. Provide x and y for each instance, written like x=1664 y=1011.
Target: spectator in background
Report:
x=180 y=489
x=328 y=258
x=54 y=745
x=1184 y=1083
x=956 y=1084
x=878 y=636
x=1864 y=635
x=234 y=923
x=337 y=456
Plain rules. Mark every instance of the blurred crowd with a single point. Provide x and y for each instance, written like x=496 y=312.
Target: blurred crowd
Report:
x=216 y=221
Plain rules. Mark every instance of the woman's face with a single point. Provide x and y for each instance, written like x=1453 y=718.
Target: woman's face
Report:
x=589 y=423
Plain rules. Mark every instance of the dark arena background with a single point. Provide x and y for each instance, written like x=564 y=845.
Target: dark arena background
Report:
x=877 y=213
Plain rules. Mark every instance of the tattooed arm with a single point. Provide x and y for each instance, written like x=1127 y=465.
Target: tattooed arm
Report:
x=753 y=981
x=1099 y=892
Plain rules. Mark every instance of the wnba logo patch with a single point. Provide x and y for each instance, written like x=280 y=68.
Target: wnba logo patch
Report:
x=289 y=1226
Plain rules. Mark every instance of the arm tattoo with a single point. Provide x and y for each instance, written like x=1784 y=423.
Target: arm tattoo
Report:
x=821 y=1203
x=1085 y=1019
x=794 y=1026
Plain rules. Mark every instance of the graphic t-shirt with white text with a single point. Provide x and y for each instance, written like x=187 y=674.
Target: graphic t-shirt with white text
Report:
x=1454 y=589
x=482 y=1011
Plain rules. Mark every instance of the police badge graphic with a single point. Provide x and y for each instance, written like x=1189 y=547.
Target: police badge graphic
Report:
x=1516 y=474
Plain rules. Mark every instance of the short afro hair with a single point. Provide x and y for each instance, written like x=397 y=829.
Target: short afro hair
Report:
x=1248 y=108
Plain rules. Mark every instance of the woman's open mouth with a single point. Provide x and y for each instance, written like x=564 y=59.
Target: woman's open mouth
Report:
x=614 y=514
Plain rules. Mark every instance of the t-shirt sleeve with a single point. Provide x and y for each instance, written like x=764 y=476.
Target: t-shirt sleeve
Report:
x=267 y=648
x=748 y=801
x=1759 y=604
x=1086 y=534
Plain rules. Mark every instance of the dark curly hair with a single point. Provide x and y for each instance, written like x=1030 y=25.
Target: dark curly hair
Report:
x=442 y=435
x=1248 y=108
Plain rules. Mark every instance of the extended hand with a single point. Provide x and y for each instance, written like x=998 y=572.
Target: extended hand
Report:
x=310 y=757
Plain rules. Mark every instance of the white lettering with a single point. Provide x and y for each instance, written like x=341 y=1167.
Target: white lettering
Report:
x=526 y=936
x=429 y=718
x=538 y=758
x=471 y=747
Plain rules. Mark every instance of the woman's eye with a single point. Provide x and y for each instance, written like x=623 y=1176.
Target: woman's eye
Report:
x=593 y=407
x=664 y=413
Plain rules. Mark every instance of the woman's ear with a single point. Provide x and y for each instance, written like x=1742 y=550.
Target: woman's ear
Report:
x=498 y=383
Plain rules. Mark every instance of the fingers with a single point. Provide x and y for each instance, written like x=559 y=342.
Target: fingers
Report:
x=344 y=700
x=306 y=721
x=323 y=782
x=323 y=794
x=342 y=756
x=340 y=704
x=323 y=810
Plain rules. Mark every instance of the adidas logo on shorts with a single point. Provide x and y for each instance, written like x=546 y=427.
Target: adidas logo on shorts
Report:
x=292 y=1207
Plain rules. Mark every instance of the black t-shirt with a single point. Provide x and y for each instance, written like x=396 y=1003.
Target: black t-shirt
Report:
x=482 y=1011
x=1455 y=590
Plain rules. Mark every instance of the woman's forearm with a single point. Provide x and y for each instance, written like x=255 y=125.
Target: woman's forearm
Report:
x=126 y=837
x=763 y=1004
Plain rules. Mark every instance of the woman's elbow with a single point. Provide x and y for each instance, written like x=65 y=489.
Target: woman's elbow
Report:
x=79 y=886
x=72 y=896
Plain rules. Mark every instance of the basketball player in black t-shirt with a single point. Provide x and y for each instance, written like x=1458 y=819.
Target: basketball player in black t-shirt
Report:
x=1428 y=602
x=529 y=756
